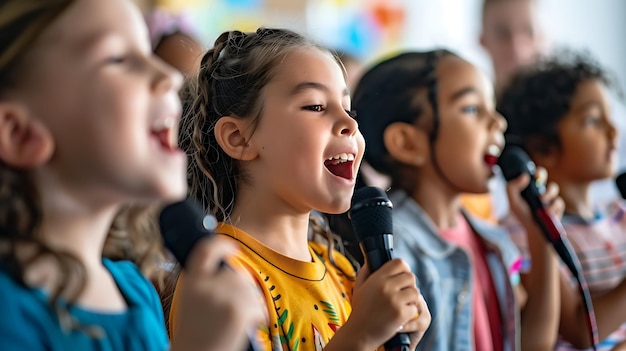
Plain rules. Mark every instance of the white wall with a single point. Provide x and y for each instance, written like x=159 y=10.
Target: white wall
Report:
x=596 y=25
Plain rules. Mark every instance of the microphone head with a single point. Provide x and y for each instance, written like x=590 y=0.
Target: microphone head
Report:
x=620 y=182
x=182 y=225
x=370 y=213
x=514 y=161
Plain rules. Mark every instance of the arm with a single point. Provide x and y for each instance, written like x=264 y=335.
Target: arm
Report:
x=540 y=312
x=609 y=309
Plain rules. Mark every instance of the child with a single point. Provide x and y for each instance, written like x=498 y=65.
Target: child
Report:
x=271 y=137
x=559 y=112
x=429 y=122
x=87 y=123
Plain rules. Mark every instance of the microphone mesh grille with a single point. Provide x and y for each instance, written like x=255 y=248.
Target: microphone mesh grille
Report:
x=370 y=213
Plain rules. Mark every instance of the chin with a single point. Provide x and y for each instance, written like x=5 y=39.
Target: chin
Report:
x=338 y=207
x=478 y=188
x=173 y=194
x=169 y=192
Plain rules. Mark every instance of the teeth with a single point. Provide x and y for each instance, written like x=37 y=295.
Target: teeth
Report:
x=494 y=150
x=343 y=157
x=167 y=128
x=164 y=124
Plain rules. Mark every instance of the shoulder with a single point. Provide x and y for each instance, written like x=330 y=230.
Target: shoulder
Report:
x=21 y=298
x=126 y=273
x=131 y=282
x=25 y=316
x=342 y=262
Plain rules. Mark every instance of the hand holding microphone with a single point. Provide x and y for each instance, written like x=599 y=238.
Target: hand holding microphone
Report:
x=541 y=194
x=216 y=304
x=514 y=162
x=385 y=296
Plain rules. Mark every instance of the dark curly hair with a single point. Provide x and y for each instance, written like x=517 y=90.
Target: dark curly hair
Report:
x=539 y=97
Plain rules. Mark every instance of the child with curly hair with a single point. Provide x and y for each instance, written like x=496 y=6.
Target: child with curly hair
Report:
x=559 y=112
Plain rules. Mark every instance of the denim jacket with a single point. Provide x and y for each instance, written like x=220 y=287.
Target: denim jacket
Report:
x=444 y=276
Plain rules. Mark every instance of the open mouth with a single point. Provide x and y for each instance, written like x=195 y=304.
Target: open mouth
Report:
x=341 y=165
x=492 y=155
x=165 y=134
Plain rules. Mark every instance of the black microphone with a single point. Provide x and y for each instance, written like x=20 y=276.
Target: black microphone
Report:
x=370 y=214
x=183 y=224
x=620 y=182
x=513 y=162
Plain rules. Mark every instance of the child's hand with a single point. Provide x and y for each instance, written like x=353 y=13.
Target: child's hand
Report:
x=387 y=302
x=217 y=304
x=554 y=204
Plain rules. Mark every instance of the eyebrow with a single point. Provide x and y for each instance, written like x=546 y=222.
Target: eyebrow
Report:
x=589 y=104
x=462 y=92
x=91 y=41
x=315 y=86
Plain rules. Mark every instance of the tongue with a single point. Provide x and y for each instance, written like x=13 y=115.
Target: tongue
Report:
x=343 y=169
x=163 y=136
x=491 y=160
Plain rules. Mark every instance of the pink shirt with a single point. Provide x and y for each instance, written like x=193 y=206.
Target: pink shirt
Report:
x=487 y=320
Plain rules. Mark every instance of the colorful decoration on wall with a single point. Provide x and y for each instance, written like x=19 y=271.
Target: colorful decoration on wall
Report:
x=363 y=28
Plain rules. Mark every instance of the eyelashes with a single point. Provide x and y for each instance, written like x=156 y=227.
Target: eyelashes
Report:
x=314 y=108
x=321 y=108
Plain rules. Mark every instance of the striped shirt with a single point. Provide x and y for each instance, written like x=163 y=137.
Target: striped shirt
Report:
x=600 y=245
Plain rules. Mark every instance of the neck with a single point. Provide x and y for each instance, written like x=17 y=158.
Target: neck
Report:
x=575 y=195
x=72 y=222
x=441 y=204
x=275 y=224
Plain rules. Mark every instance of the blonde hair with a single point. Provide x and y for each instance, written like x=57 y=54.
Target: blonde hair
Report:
x=133 y=235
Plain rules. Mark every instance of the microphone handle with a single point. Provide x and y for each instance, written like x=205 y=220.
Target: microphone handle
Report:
x=555 y=234
x=377 y=250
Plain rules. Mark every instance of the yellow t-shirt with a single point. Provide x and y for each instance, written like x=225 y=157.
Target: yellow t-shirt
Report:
x=479 y=205
x=307 y=301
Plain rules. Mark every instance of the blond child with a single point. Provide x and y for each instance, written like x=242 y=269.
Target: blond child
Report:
x=87 y=127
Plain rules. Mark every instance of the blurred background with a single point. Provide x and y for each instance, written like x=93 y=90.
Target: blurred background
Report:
x=369 y=29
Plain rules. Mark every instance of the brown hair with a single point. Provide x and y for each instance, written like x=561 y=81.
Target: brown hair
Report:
x=487 y=3
x=133 y=233
x=230 y=82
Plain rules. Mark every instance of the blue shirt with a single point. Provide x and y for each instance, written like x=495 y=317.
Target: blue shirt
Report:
x=444 y=276
x=28 y=323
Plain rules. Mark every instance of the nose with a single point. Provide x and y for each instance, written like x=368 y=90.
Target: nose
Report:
x=346 y=125
x=499 y=123
x=166 y=77
x=611 y=131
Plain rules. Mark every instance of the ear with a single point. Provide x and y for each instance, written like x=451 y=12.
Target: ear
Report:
x=230 y=133
x=24 y=141
x=406 y=143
